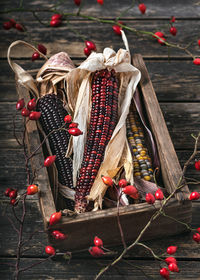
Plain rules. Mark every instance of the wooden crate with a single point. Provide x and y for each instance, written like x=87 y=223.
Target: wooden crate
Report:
x=82 y=228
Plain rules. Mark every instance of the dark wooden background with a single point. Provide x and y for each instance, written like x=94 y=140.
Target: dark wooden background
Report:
x=177 y=87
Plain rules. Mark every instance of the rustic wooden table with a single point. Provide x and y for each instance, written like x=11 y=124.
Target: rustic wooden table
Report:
x=178 y=90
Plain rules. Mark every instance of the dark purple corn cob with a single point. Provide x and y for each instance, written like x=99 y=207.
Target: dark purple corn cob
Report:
x=103 y=119
x=52 y=117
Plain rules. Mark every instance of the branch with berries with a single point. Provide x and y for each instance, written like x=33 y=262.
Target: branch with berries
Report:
x=59 y=17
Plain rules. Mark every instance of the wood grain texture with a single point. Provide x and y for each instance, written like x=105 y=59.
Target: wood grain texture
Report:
x=64 y=39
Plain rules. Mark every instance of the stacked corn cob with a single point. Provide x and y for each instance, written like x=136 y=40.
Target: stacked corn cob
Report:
x=52 y=118
x=103 y=119
x=135 y=134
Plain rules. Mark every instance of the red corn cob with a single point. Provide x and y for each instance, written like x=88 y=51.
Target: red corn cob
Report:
x=103 y=119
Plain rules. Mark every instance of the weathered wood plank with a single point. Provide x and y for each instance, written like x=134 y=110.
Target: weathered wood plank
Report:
x=64 y=39
x=87 y=270
x=155 y=9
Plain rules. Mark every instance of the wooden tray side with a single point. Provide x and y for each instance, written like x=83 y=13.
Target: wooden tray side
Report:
x=46 y=200
x=171 y=170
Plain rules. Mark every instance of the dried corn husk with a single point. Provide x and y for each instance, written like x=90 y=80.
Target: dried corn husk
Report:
x=117 y=153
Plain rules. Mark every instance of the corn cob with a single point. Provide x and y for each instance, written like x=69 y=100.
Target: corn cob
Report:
x=52 y=118
x=141 y=159
x=103 y=119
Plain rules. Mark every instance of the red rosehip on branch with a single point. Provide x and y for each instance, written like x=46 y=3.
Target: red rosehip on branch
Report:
x=87 y=51
x=13 y=194
x=32 y=189
x=55 y=218
x=122 y=183
x=142 y=8
x=35 y=56
x=107 y=181
x=159 y=194
x=164 y=273
x=20 y=104
x=59 y=235
x=25 y=112
x=67 y=119
x=173 y=19
x=90 y=45
x=7 y=191
x=197 y=165
x=170 y=260
x=34 y=115
x=75 y=131
x=196 y=237
x=50 y=250
x=77 y=2
x=13 y=202
x=196 y=61
x=194 y=196
x=19 y=27
x=56 y=17
x=159 y=34
x=173 y=267
x=117 y=29
x=95 y=251
x=42 y=49
x=49 y=160
x=73 y=124
x=98 y=242
x=150 y=198
x=171 y=250
x=131 y=191
x=31 y=104
x=173 y=30
x=100 y=2
x=7 y=25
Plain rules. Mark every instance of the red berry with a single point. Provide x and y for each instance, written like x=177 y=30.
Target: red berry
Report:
x=194 y=196
x=7 y=25
x=7 y=191
x=173 y=19
x=173 y=30
x=96 y=251
x=19 y=27
x=122 y=183
x=142 y=8
x=13 y=202
x=159 y=194
x=34 y=116
x=32 y=189
x=100 y=2
x=87 y=51
x=150 y=198
x=162 y=41
x=20 y=104
x=98 y=242
x=59 y=235
x=13 y=194
x=42 y=49
x=25 y=112
x=171 y=250
x=164 y=273
x=31 y=104
x=90 y=45
x=131 y=191
x=13 y=22
x=67 y=118
x=198 y=229
x=117 y=29
x=75 y=131
x=73 y=124
x=77 y=2
x=55 y=23
x=196 y=61
x=173 y=267
x=196 y=237
x=199 y=42
x=49 y=161
x=35 y=56
x=197 y=165
x=159 y=34
x=107 y=181
x=50 y=250
x=55 y=218
x=170 y=260
x=56 y=17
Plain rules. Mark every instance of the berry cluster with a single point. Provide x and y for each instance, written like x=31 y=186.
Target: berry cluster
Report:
x=40 y=48
x=96 y=251
x=90 y=46
x=56 y=20
x=12 y=24
x=171 y=262
x=73 y=127
x=172 y=29
x=12 y=194
x=29 y=111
